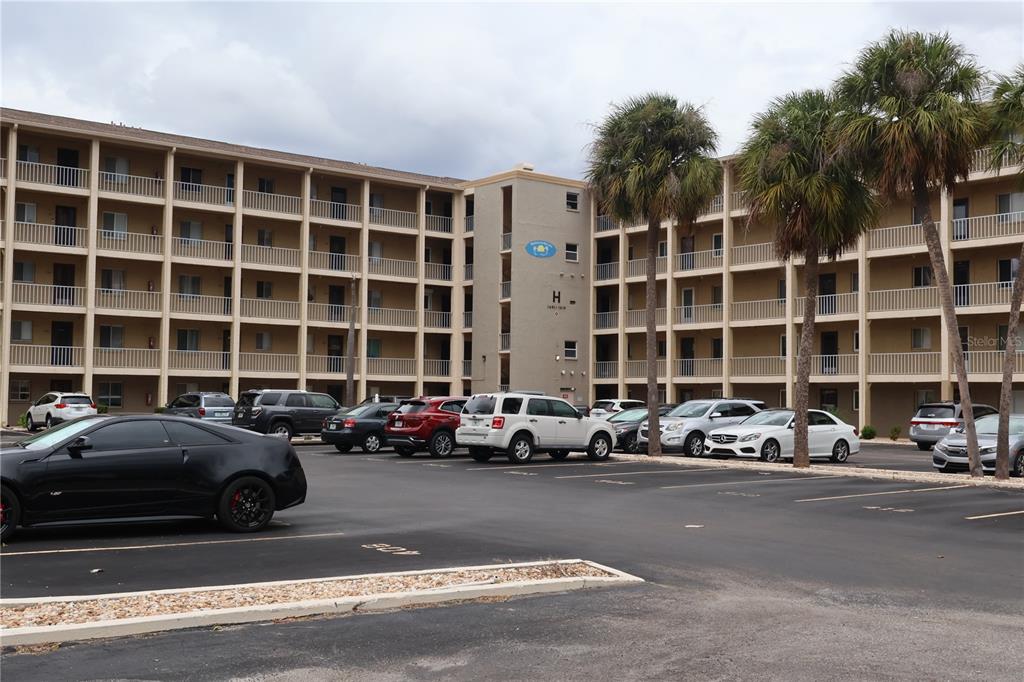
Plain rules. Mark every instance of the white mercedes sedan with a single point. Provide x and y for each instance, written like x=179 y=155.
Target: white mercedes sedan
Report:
x=768 y=435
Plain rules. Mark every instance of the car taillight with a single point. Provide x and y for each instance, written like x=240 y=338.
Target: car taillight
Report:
x=323 y=424
x=92 y=405
x=498 y=423
x=202 y=411
x=61 y=406
x=256 y=411
x=349 y=423
x=856 y=431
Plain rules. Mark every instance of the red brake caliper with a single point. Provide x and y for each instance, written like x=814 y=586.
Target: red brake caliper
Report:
x=235 y=498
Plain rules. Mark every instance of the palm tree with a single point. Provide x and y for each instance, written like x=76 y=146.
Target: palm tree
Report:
x=911 y=113
x=653 y=158
x=815 y=199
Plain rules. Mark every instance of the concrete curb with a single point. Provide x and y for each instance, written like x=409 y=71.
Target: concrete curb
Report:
x=834 y=471
x=51 y=634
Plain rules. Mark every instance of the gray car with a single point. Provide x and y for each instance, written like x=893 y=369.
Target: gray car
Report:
x=933 y=421
x=210 y=406
x=950 y=454
x=685 y=428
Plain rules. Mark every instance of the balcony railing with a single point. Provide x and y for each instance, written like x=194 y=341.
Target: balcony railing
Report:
x=275 y=363
x=606 y=370
x=126 y=299
x=638 y=318
x=439 y=223
x=274 y=256
x=503 y=388
x=506 y=241
x=126 y=358
x=208 y=360
x=753 y=253
x=276 y=203
x=330 y=210
x=339 y=262
x=717 y=204
x=467 y=319
x=49 y=174
x=442 y=271
x=328 y=312
x=437 y=319
x=505 y=341
x=606 y=271
x=46 y=356
x=917 y=298
x=759 y=366
x=468 y=272
x=131 y=184
x=637 y=369
x=606 y=320
x=269 y=308
x=197 y=304
x=990 y=362
x=698 y=367
x=131 y=242
x=50 y=235
x=506 y=290
x=391 y=317
x=329 y=364
x=3 y=169
x=204 y=194
x=829 y=304
x=695 y=314
x=437 y=368
x=766 y=309
x=897 y=237
x=389 y=217
x=467 y=368
x=469 y=223
x=47 y=294
x=983 y=160
x=391 y=366
x=638 y=266
x=903 y=364
x=606 y=223
x=834 y=365
x=984 y=294
x=989 y=226
x=203 y=249
x=392 y=267
x=698 y=260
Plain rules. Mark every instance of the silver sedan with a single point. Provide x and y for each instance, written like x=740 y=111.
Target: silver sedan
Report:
x=950 y=454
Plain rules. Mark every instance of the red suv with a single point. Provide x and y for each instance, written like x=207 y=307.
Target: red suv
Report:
x=425 y=424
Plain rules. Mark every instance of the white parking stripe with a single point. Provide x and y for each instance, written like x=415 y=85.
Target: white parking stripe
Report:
x=643 y=473
x=549 y=466
x=887 y=492
x=755 y=481
x=169 y=544
x=992 y=516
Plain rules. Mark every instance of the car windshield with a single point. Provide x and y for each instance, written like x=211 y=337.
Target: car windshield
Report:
x=935 y=411
x=769 y=418
x=76 y=400
x=47 y=439
x=989 y=425
x=633 y=415
x=219 y=401
x=411 y=408
x=480 y=404
x=694 y=408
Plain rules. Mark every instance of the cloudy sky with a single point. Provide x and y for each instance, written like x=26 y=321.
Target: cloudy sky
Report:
x=460 y=89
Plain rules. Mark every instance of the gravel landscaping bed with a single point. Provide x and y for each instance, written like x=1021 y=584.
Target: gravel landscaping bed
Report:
x=87 y=610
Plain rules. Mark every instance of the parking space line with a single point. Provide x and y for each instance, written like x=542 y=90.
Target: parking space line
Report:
x=887 y=492
x=643 y=473
x=753 y=481
x=992 y=516
x=79 y=550
x=549 y=466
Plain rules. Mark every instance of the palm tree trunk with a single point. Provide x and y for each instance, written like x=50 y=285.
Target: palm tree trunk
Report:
x=1009 y=361
x=922 y=204
x=801 y=451
x=651 y=313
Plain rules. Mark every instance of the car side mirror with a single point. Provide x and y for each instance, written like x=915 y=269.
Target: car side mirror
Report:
x=579 y=415
x=78 y=445
x=715 y=415
x=791 y=425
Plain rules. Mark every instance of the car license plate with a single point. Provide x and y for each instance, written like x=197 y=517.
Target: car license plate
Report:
x=398 y=423
x=240 y=414
x=332 y=427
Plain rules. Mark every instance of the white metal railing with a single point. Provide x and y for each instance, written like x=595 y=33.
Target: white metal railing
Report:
x=204 y=249
x=268 y=362
x=329 y=364
x=606 y=223
x=606 y=370
x=469 y=223
x=50 y=235
x=637 y=369
x=902 y=364
x=699 y=367
x=127 y=299
x=438 y=223
x=505 y=341
x=47 y=294
x=269 y=308
x=126 y=358
x=638 y=266
x=990 y=362
x=323 y=260
x=328 y=312
x=759 y=366
x=915 y=298
x=318 y=208
x=506 y=241
x=46 y=356
x=389 y=217
x=199 y=360
x=606 y=320
x=829 y=304
x=988 y=226
x=697 y=260
x=437 y=319
x=197 y=304
x=506 y=290
x=638 y=318
x=740 y=200
x=834 y=365
x=468 y=272
x=274 y=256
x=204 y=194
x=442 y=271
x=50 y=174
x=986 y=293
x=982 y=161
x=392 y=267
x=437 y=368
x=717 y=204
x=503 y=387
x=265 y=201
x=766 y=309
x=3 y=168
x=134 y=242
x=131 y=184
x=467 y=368
x=391 y=317
x=391 y=366
x=753 y=253
x=467 y=319
x=895 y=237
x=606 y=270
x=693 y=314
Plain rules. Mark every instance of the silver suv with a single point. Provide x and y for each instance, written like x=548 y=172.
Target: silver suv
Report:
x=685 y=427
x=211 y=406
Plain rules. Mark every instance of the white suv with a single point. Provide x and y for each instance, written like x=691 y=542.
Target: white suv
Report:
x=54 y=408
x=520 y=424
x=603 y=409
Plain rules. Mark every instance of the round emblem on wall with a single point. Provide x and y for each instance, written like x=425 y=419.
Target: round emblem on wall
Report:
x=539 y=248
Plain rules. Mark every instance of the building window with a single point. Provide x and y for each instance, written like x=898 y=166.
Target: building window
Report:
x=188 y=339
x=115 y=223
x=572 y=252
x=112 y=280
x=25 y=213
x=189 y=285
x=716 y=244
x=20 y=390
x=662 y=249
x=191 y=176
x=921 y=338
x=923 y=276
x=572 y=201
x=856 y=400
x=662 y=348
x=782 y=397
x=111 y=336
x=265 y=186
x=781 y=294
x=856 y=340
x=191 y=229
x=111 y=394
x=854 y=282
x=262 y=341
x=570 y=350
x=24 y=271
x=373 y=348
x=716 y=349
x=265 y=237
x=21 y=330
x=116 y=165
x=922 y=396
x=374 y=298
x=1003 y=334
x=716 y=295
x=1008 y=268
x=28 y=153
x=829 y=399
x=264 y=289
x=1010 y=203
x=782 y=346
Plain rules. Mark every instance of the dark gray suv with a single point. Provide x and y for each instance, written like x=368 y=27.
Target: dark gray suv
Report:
x=283 y=413
x=209 y=406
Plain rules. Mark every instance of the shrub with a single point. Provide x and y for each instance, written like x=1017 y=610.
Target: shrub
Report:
x=868 y=432
x=895 y=433
x=158 y=410
x=102 y=409
x=23 y=420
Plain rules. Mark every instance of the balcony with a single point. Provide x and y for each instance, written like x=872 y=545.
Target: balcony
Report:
x=391 y=367
x=392 y=317
x=717 y=205
x=330 y=210
x=698 y=314
x=759 y=366
x=196 y=304
x=439 y=223
x=916 y=299
x=467 y=319
x=126 y=358
x=903 y=365
x=389 y=217
x=50 y=357
x=269 y=363
x=506 y=290
x=506 y=241
x=436 y=319
x=392 y=267
x=468 y=272
x=209 y=195
x=740 y=201
x=834 y=365
x=750 y=254
x=273 y=256
x=698 y=260
x=702 y=367
x=327 y=312
x=47 y=295
x=503 y=388
x=330 y=364
x=638 y=318
x=135 y=185
x=199 y=360
x=437 y=368
x=129 y=242
x=50 y=235
x=606 y=320
x=900 y=237
x=989 y=226
x=606 y=370
x=606 y=271
x=438 y=271
x=981 y=295
x=49 y=174
x=337 y=262
x=271 y=203
x=766 y=309
x=505 y=341
x=268 y=308
x=983 y=160
x=202 y=249
x=606 y=223
x=829 y=304
x=990 y=362
x=638 y=266
x=126 y=299
x=467 y=368
x=469 y=220
x=637 y=369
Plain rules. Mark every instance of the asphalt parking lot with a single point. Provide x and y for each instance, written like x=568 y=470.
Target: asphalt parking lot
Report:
x=744 y=568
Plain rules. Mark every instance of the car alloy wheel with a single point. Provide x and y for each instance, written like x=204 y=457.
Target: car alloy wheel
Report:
x=520 y=450
x=770 y=451
x=282 y=430
x=600 y=447
x=9 y=513
x=630 y=444
x=840 y=451
x=29 y=424
x=250 y=506
x=695 y=445
x=441 y=444
x=371 y=443
x=1018 y=467
x=49 y=421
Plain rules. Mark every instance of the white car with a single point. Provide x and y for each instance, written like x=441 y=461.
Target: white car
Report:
x=520 y=424
x=768 y=435
x=54 y=408
x=602 y=409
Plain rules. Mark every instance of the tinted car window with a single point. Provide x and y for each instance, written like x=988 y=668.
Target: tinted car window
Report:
x=741 y=410
x=247 y=399
x=602 y=405
x=819 y=419
x=269 y=398
x=219 y=401
x=511 y=405
x=134 y=435
x=632 y=415
x=453 y=406
x=560 y=409
x=935 y=411
x=538 y=407
x=411 y=408
x=186 y=434
x=480 y=404
x=323 y=401
x=46 y=399
x=981 y=411
x=296 y=400
x=187 y=401
x=385 y=410
x=76 y=400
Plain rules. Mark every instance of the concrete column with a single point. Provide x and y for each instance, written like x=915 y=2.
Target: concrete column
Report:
x=364 y=268
x=727 y=352
x=792 y=342
x=670 y=307
x=92 y=218
x=945 y=226
x=863 y=329
x=8 y=277
x=458 y=292
x=163 y=384
x=592 y=308
x=236 y=276
x=304 y=276
x=623 y=302
x=421 y=221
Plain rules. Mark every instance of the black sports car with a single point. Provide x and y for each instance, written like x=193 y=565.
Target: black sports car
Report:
x=116 y=467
